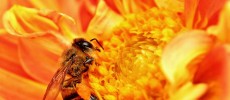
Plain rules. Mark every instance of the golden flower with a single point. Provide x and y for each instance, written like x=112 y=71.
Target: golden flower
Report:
x=133 y=34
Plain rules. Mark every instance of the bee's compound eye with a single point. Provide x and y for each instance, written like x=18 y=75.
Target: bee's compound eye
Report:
x=86 y=44
x=82 y=44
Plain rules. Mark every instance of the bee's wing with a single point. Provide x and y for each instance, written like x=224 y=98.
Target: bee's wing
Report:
x=56 y=83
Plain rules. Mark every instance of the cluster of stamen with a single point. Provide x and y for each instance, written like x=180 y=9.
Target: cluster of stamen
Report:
x=130 y=68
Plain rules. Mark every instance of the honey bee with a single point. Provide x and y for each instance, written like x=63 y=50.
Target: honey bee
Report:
x=75 y=61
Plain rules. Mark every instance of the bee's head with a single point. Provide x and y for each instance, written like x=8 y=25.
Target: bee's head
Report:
x=82 y=44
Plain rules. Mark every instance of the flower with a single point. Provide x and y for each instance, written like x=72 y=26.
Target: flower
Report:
x=138 y=61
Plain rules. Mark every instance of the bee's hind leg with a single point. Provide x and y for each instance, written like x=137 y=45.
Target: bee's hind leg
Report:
x=78 y=97
x=69 y=90
x=69 y=93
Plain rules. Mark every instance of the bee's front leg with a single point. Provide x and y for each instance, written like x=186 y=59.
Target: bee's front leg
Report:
x=88 y=61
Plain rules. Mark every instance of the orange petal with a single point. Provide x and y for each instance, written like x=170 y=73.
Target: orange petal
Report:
x=223 y=28
x=66 y=24
x=31 y=22
x=191 y=7
x=9 y=60
x=27 y=22
x=81 y=10
x=130 y=6
x=13 y=86
x=177 y=5
x=39 y=57
x=225 y=80
x=189 y=91
x=6 y=4
x=199 y=13
x=214 y=71
x=181 y=51
x=3 y=8
x=103 y=22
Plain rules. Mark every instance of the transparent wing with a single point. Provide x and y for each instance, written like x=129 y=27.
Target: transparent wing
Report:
x=56 y=82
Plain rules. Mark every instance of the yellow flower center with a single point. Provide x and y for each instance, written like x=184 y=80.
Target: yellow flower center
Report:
x=129 y=66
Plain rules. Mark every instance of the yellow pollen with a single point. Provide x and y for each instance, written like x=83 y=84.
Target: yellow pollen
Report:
x=129 y=66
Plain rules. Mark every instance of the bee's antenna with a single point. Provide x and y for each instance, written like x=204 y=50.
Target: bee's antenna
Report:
x=97 y=42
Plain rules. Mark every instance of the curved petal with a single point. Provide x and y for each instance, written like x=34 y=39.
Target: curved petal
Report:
x=31 y=22
x=9 y=60
x=66 y=24
x=6 y=4
x=199 y=13
x=39 y=57
x=48 y=27
x=26 y=21
x=103 y=22
x=189 y=91
x=214 y=70
x=182 y=51
x=130 y=6
x=13 y=86
x=81 y=10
